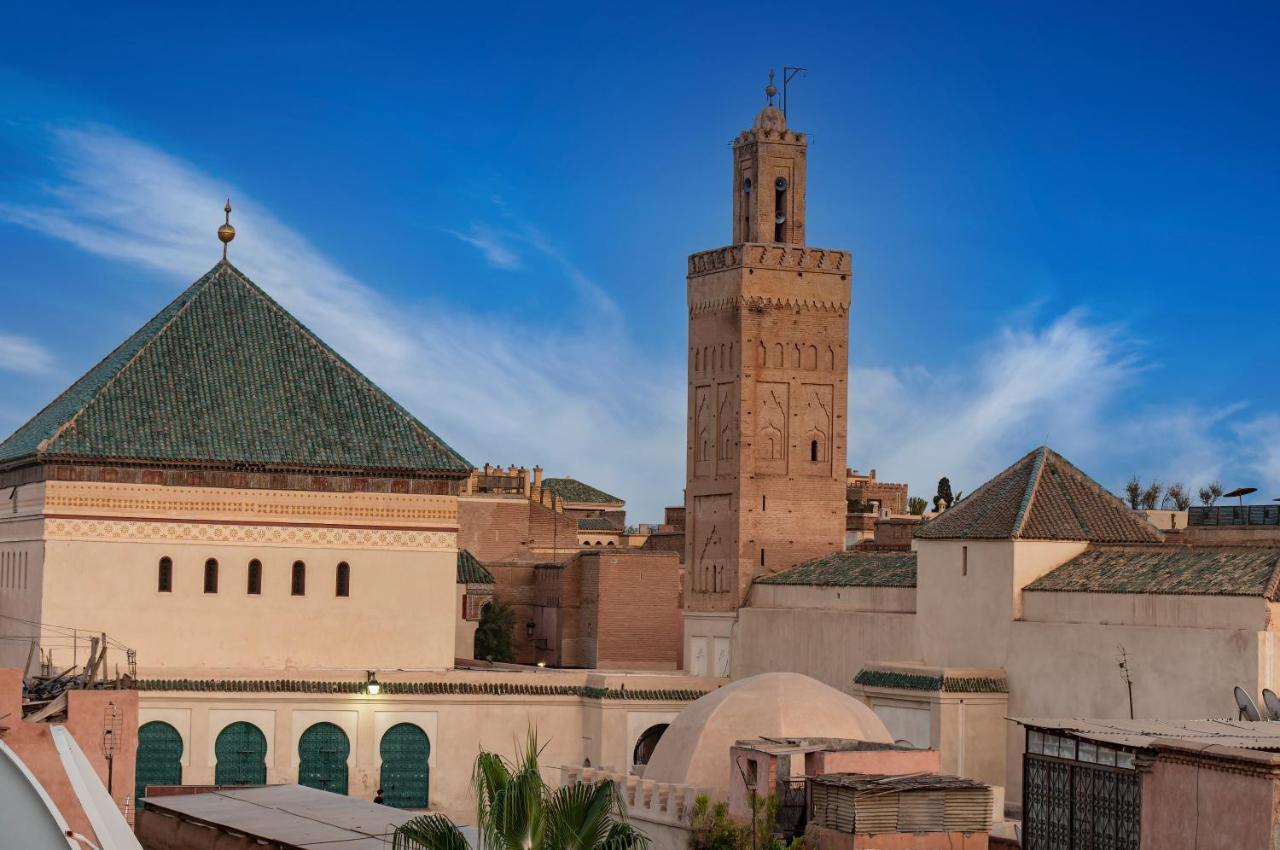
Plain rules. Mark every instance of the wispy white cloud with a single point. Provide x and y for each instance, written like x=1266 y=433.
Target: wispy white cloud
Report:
x=1065 y=383
x=495 y=245
x=530 y=395
x=583 y=401
x=25 y=356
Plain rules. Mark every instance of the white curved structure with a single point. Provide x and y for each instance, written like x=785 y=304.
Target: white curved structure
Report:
x=695 y=748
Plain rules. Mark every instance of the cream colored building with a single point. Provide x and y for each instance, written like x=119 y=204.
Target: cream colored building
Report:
x=269 y=544
x=1021 y=601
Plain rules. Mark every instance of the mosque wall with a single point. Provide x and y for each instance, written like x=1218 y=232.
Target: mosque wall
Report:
x=574 y=729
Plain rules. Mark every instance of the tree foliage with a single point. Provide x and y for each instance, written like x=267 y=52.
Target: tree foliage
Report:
x=1133 y=492
x=713 y=829
x=1151 y=495
x=1177 y=496
x=943 y=494
x=916 y=505
x=495 y=632
x=517 y=810
x=1210 y=494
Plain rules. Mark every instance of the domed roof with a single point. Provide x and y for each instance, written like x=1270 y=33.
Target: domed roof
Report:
x=695 y=748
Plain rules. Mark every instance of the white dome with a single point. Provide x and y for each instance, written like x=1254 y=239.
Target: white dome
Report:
x=695 y=748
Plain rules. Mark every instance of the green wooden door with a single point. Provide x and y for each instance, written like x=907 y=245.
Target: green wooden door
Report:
x=241 y=750
x=406 y=776
x=322 y=758
x=159 y=758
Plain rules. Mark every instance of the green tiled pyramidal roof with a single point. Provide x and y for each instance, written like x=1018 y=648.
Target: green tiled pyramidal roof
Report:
x=1209 y=571
x=573 y=490
x=851 y=569
x=1041 y=497
x=471 y=571
x=226 y=376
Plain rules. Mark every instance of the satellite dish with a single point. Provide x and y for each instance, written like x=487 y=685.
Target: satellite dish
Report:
x=779 y=218
x=1272 y=702
x=746 y=185
x=780 y=184
x=1248 y=708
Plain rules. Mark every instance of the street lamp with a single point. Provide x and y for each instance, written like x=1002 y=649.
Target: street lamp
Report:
x=371 y=686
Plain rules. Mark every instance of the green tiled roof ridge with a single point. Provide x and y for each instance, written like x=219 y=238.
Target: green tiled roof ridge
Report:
x=1168 y=570
x=312 y=686
x=925 y=682
x=1028 y=494
x=850 y=569
x=471 y=571
x=573 y=490
x=344 y=397
x=88 y=386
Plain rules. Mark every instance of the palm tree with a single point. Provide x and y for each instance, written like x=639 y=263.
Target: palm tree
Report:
x=517 y=811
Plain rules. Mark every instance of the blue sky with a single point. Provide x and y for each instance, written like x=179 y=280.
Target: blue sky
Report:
x=1064 y=220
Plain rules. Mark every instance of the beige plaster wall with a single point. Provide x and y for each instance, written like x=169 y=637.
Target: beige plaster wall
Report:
x=830 y=646
x=1070 y=670
x=21 y=570
x=572 y=729
x=966 y=614
x=884 y=599
x=1142 y=609
x=400 y=612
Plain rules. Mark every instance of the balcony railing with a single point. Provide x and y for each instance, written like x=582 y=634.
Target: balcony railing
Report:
x=1234 y=515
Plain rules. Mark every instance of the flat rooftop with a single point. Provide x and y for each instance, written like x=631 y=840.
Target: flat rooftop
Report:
x=1139 y=734
x=292 y=816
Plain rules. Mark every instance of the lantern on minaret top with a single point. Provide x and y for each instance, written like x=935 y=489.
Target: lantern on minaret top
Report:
x=769 y=178
x=226 y=232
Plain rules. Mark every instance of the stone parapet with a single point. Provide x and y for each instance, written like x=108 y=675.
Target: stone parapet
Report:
x=666 y=803
x=757 y=255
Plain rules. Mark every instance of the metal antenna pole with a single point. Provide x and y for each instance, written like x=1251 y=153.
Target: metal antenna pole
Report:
x=788 y=73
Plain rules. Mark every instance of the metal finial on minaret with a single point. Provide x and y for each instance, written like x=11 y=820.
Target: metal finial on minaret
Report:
x=226 y=232
x=770 y=91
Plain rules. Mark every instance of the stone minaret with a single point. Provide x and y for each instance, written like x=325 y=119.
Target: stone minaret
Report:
x=768 y=384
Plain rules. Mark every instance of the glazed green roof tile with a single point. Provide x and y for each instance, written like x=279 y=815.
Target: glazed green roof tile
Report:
x=926 y=682
x=596 y=523
x=471 y=571
x=573 y=490
x=225 y=376
x=1208 y=571
x=1041 y=497
x=852 y=569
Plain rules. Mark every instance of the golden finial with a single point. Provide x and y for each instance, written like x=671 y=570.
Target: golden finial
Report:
x=770 y=90
x=226 y=232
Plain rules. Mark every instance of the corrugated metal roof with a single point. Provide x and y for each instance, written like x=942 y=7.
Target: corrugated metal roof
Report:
x=1246 y=734
x=292 y=815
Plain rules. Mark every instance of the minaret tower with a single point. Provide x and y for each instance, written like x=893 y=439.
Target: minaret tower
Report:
x=768 y=389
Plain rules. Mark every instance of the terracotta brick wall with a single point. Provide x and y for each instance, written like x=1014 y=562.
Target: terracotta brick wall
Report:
x=637 y=609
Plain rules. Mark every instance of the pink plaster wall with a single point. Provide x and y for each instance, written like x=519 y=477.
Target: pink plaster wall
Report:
x=888 y=762
x=33 y=742
x=1187 y=807
x=822 y=838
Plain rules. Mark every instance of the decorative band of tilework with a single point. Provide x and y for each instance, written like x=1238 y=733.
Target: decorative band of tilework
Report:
x=501 y=689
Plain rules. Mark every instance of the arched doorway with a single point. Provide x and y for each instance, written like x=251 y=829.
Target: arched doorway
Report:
x=241 y=751
x=159 y=758
x=647 y=744
x=322 y=758
x=406 y=776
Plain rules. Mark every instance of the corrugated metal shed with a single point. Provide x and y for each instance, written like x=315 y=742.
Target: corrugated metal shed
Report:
x=867 y=804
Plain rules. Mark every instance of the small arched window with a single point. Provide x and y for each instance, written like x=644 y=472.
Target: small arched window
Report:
x=164 y=576
x=298 y=585
x=211 y=576
x=255 y=578
x=813 y=450
x=343 y=582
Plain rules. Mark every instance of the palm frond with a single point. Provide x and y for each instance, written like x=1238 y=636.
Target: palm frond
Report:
x=428 y=832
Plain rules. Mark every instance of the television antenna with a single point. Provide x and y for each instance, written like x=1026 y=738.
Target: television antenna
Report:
x=788 y=74
x=1248 y=708
x=1272 y=703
